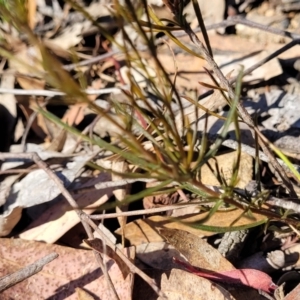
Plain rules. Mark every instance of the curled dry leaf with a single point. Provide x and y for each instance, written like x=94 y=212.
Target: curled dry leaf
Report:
x=161 y=199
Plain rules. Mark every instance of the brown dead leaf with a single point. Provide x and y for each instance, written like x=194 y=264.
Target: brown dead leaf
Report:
x=224 y=163
x=146 y=230
x=161 y=199
x=197 y=251
x=75 y=114
x=73 y=268
x=219 y=219
x=59 y=218
x=183 y=285
x=157 y=255
x=189 y=69
x=140 y=232
x=27 y=60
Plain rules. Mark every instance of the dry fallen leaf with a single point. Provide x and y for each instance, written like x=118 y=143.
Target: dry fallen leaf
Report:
x=196 y=250
x=224 y=163
x=58 y=280
x=157 y=255
x=146 y=230
x=27 y=60
x=50 y=225
x=34 y=189
x=140 y=232
x=189 y=69
x=181 y=285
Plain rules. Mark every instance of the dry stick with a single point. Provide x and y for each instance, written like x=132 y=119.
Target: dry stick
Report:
x=29 y=124
x=91 y=61
x=284 y=203
x=72 y=202
x=241 y=110
x=239 y=20
x=49 y=93
x=143 y=211
x=24 y=273
x=131 y=266
x=15 y=171
x=244 y=21
x=27 y=128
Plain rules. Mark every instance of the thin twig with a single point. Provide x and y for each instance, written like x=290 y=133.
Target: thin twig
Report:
x=29 y=124
x=15 y=171
x=26 y=272
x=48 y=93
x=249 y=23
x=110 y=184
x=284 y=203
x=142 y=211
x=104 y=185
x=91 y=61
x=131 y=266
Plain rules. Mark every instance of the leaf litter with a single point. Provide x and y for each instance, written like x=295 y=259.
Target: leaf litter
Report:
x=32 y=207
